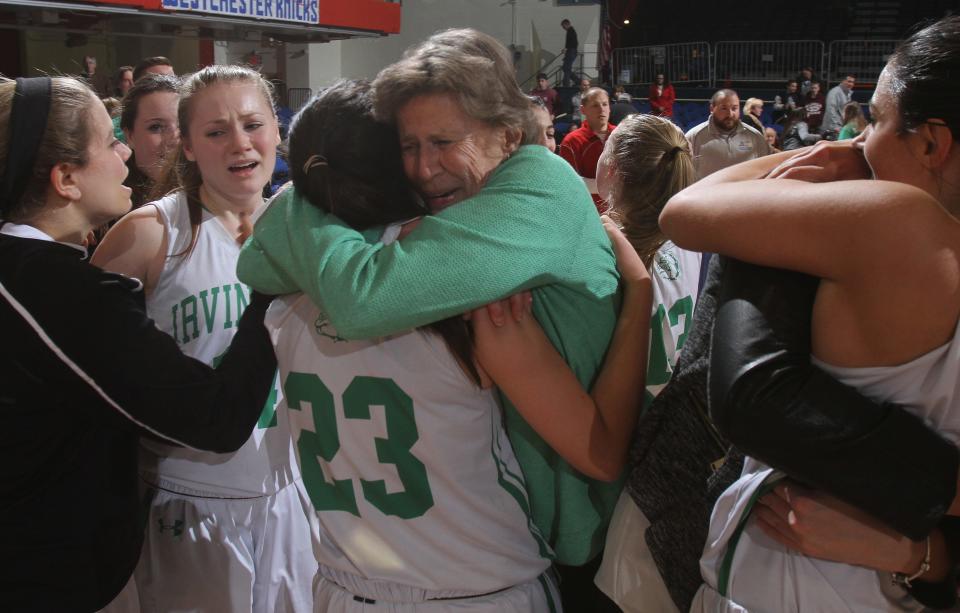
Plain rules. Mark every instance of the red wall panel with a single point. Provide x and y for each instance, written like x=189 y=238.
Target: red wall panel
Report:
x=374 y=15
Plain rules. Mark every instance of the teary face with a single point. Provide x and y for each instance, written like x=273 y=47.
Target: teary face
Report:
x=448 y=155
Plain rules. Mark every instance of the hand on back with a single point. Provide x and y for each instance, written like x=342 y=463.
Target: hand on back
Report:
x=821 y=526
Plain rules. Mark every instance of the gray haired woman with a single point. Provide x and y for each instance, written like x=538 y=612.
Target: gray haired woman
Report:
x=506 y=217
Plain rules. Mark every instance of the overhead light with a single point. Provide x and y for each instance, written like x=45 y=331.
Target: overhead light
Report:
x=626 y=22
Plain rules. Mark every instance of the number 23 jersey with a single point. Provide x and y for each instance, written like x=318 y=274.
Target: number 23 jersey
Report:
x=411 y=475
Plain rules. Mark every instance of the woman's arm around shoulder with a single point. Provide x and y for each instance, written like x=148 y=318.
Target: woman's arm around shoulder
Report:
x=806 y=220
x=136 y=246
x=515 y=234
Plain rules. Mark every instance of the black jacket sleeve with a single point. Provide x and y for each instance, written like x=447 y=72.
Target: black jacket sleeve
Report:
x=771 y=402
x=95 y=325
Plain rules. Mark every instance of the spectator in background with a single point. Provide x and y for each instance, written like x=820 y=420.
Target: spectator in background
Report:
x=771 y=135
x=545 y=93
x=96 y=80
x=813 y=104
x=790 y=99
x=547 y=134
x=699 y=65
x=723 y=140
x=619 y=93
x=805 y=80
x=796 y=132
x=124 y=81
x=575 y=115
x=662 y=96
x=837 y=98
x=622 y=108
x=150 y=127
x=752 y=110
x=284 y=113
x=569 y=52
x=155 y=65
x=853 y=121
x=582 y=147
x=151 y=65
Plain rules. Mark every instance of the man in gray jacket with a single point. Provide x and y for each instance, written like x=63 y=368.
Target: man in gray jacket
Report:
x=722 y=140
x=836 y=99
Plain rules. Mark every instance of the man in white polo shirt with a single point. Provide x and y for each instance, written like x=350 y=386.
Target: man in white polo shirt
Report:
x=722 y=140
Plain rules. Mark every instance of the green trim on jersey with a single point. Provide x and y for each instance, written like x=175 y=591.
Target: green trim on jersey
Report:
x=723 y=574
x=517 y=491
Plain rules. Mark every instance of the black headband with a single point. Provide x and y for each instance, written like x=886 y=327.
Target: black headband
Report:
x=28 y=120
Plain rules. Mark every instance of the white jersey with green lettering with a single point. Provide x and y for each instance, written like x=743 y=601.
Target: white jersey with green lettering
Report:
x=628 y=573
x=198 y=301
x=411 y=475
x=676 y=275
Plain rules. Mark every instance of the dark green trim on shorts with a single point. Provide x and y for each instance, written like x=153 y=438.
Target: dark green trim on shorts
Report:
x=546 y=590
x=723 y=575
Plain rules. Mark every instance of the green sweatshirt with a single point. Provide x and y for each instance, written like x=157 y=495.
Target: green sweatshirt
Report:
x=533 y=226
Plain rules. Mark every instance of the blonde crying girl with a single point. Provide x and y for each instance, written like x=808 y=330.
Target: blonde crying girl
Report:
x=225 y=531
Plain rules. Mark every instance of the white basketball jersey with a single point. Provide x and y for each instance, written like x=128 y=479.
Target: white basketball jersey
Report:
x=405 y=460
x=765 y=575
x=675 y=274
x=628 y=573
x=198 y=300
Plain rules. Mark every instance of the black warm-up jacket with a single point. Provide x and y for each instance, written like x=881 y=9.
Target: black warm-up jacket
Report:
x=83 y=374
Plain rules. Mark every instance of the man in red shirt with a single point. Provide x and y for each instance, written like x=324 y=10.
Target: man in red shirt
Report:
x=545 y=93
x=582 y=147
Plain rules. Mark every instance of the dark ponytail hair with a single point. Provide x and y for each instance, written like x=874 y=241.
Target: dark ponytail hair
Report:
x=925 y=75
x=345 y=162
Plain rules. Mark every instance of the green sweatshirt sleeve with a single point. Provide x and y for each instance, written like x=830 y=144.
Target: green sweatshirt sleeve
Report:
x=521 y=231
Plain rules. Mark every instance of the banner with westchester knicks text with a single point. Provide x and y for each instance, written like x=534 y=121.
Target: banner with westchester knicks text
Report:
x=303 y=11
